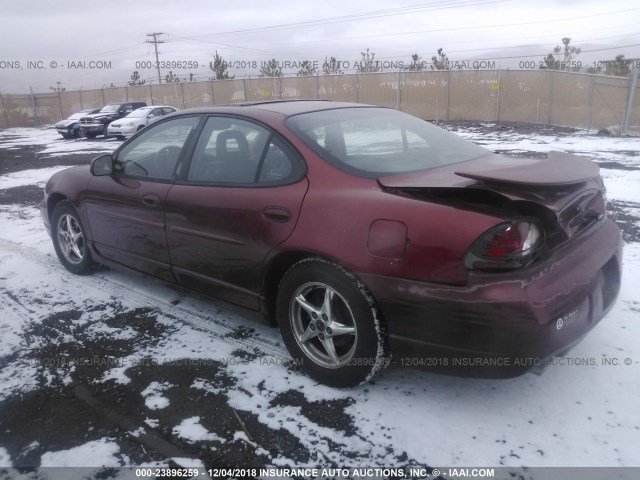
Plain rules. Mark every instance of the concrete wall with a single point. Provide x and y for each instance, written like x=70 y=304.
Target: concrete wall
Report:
x=537 y=96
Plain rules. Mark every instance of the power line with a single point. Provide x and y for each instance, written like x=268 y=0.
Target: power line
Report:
x=155 y=42
x=475 y=27
x=442 y=5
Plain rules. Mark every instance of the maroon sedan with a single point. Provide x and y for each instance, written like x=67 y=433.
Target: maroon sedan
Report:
x=357 y=230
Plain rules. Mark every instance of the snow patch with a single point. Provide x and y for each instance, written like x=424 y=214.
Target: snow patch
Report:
x=97 y=453
x=5 y=459
x=153 y=398
x=191 y=430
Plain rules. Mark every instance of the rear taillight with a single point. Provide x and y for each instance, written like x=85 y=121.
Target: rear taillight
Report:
x=505 y=247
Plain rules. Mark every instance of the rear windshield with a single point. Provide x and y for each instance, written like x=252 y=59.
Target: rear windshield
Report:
x=374 y=142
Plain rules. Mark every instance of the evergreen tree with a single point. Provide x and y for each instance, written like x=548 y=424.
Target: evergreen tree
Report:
x=171 y=78
x=220 y=68
x=562 y=57
x=307 y=69
x=135 y=79
x=440 y=62
x=271 y=69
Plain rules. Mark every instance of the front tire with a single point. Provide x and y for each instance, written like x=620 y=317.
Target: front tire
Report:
x=70 y=240
x=330 y=324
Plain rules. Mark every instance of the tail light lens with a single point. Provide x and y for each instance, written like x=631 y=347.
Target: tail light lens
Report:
x=506 y=246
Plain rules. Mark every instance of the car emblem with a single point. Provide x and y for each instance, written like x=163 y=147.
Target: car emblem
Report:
x=566 y=319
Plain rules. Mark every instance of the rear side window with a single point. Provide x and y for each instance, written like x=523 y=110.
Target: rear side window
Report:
x=233 y=151
x=374 y=142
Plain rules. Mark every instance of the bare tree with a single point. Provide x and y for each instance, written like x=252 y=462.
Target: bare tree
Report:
x=368 y=63
x=416 y=64
x=331 y=66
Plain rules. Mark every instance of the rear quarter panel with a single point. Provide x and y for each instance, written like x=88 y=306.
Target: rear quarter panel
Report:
x=338 y=212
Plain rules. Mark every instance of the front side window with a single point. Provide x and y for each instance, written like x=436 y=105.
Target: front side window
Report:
x=374 y=142
x=154 y=153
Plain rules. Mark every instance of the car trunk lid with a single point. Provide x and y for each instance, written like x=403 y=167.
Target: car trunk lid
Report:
x=562 y=189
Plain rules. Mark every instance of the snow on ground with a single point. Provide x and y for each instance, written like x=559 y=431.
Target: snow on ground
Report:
x=599 y=148
x=153 y=398
x=192 y=430
x=28 y=177
x=53 y=143
x=580 y=412
x=98 y=453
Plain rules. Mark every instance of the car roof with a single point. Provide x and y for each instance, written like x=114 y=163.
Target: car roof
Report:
x=124 y=103
x=283 y=107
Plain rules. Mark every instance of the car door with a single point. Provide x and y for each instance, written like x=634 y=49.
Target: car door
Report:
x=126 y=209
x=239 y=199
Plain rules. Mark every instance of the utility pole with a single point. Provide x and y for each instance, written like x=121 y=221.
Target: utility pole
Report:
x=155 y=42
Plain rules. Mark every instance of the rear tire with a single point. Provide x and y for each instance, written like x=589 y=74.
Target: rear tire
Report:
x=70 y=240
x=330 y=324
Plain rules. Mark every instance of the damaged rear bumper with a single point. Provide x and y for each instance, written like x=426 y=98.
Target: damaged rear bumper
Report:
x=504 y=324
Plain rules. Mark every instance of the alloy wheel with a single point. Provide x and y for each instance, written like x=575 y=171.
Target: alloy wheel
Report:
x=71 y=239
x=323 y=325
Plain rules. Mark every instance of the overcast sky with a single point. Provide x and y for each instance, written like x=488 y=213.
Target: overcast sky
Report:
x=39 y=38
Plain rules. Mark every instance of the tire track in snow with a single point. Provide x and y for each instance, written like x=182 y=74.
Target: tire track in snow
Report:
x=137 y=298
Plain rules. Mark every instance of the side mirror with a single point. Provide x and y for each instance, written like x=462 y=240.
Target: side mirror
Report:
x=102 y=165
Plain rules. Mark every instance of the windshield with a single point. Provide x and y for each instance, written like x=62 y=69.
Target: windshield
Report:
x=373 y=142
x=110 y=109
x=141 y=112
x=77 y=116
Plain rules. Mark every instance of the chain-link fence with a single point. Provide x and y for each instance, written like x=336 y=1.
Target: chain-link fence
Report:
x=544 y=97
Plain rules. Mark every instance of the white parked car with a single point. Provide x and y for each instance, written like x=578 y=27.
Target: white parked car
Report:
x=138 y=119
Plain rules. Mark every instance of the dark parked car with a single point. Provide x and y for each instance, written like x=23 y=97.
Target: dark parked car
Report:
x=98 y=123
x=358 y=230
x=70 y=128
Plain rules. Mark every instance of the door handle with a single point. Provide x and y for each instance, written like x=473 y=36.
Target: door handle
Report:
x=150 y=200
x=276 y=214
